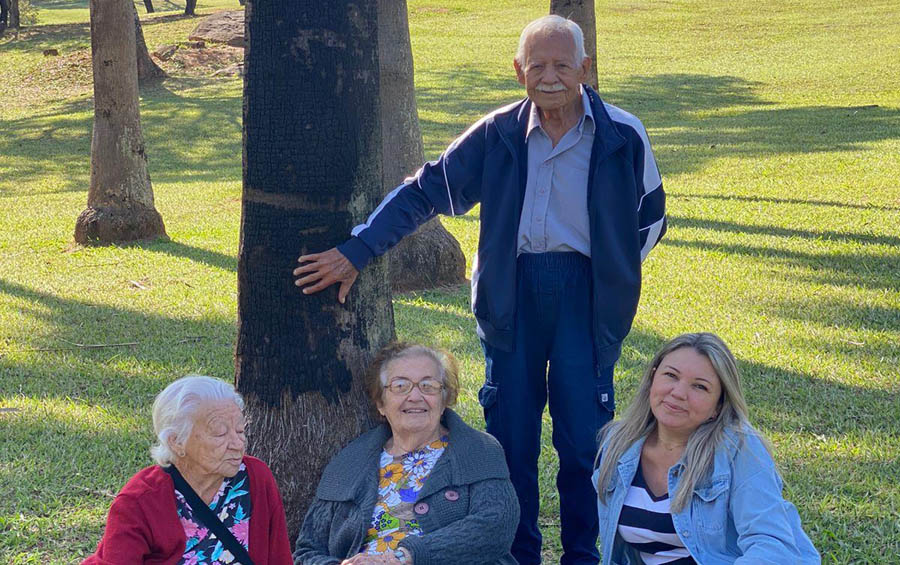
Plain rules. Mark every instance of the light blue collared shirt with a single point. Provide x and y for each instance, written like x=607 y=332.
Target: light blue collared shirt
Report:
x=554 y=214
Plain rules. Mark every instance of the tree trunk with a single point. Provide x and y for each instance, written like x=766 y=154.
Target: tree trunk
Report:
x=15 y=19
x=120 y=200
x=147 y=69
x=148 y=4
x=189 y=7
x=582 y=13
x=312 y=170
x=431 y=256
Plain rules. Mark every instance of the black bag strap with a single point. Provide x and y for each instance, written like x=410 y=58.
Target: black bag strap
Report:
x=208 y=517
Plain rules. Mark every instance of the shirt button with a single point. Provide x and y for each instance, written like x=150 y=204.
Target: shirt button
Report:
x=539 y=220
x=685 y=533
x=451 y=495
x=421 y=508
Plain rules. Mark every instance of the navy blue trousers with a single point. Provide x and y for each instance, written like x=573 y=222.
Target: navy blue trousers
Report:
x=553 y=328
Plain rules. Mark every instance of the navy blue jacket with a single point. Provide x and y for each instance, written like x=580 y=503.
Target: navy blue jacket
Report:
x=488 y=164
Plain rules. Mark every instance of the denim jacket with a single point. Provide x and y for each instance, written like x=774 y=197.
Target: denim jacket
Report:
x=736 y=516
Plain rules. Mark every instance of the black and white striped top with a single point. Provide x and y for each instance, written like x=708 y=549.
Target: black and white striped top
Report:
x=646 y=524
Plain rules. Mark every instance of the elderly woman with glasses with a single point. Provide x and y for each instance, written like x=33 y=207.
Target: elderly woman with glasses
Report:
x=421 y=488
x=204 y=501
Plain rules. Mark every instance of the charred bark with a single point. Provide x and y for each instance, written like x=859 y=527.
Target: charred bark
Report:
x=147 y=69
x=312 y=155
x=430 y=257
x=582 y=13
x=120 y=199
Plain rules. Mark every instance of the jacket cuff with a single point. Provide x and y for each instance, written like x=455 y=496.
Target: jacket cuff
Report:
x=417 y=548
x=356 y=252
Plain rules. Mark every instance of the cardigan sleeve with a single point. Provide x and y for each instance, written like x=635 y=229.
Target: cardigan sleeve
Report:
x=312 y=543
x=484 y=536
x=126 y=540
x=274 y=535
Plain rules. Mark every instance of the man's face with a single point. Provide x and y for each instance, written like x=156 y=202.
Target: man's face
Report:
x=550 y=73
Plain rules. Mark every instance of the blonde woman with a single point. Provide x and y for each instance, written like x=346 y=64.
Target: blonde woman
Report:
x=684 y=478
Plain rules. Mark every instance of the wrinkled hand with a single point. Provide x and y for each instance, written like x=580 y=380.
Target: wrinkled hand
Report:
x=323 y=270
x=366 y=559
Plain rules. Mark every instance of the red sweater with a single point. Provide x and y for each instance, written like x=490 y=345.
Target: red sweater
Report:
x=143 y=525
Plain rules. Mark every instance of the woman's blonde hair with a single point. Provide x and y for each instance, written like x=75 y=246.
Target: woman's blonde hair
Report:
x=638 y=421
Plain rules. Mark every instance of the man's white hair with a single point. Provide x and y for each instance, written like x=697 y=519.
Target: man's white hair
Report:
x=174 y=408
x=550 y=24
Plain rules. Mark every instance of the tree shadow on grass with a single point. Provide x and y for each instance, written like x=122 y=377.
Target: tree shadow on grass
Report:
x=188 y=138
x=816 y=235
x=196 y=254
x=774 y=200
x=866 y=270
x=692 y=118
x=118 y=376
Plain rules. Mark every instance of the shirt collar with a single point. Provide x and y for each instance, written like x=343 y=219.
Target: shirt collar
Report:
x=534 y=117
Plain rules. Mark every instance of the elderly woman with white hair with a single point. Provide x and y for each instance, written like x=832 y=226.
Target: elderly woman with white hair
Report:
x=205 y=501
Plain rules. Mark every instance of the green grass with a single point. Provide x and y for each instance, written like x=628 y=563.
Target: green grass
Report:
x=777 y=129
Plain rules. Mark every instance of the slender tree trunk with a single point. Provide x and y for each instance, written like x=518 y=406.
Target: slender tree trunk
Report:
x=312 y=156
x=189 y=7
x=582 y=13
x=120 y=199
x=15 y=21
x=147 y=69
x=148 y=4
x=430 y=257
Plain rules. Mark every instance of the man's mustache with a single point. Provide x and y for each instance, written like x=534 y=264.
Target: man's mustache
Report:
x=551 y=87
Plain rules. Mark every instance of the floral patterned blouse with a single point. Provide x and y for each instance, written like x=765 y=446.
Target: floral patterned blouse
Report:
x=232 y=505
x=400 y=479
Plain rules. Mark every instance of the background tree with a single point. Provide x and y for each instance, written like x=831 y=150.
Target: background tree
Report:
x=148 y=4
x=312 y=170
x=147 y=69
x=582 y=13
x=430 y=257
x=120 y=199
x=15 y=15
x=189 y=7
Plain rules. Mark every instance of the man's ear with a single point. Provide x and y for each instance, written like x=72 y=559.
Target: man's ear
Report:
x=586 y=68
x=520 y=72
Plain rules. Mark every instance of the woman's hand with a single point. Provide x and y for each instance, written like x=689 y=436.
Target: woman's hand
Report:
x=369 y=559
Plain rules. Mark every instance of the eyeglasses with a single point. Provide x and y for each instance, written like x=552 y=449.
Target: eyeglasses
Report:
x=428 y=387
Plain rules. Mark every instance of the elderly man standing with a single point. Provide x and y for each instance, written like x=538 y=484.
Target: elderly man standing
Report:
x=571 y=203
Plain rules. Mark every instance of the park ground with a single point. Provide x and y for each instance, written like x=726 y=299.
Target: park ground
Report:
x=777 y=130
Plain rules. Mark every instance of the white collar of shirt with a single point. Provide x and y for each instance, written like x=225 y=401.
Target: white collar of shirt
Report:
x=534 y=117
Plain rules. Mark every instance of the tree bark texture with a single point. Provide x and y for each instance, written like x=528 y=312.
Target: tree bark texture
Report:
x=15 y=20
x=120 y=199
x=189 y=7
x=148 y=4
x=147 y=69
x=582 y=13
x=430 y=257
x=312 y=170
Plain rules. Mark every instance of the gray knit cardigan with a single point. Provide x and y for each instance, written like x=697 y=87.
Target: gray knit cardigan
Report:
x=470 y=508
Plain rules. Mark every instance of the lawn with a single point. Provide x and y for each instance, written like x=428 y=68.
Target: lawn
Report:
x=777 y=130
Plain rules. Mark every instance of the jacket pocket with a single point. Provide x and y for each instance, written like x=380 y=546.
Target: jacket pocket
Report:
x=487 y=396
x=709 y=506
x=607 y=404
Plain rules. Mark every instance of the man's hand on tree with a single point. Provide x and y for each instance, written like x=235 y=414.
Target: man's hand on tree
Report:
x=322 y=270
